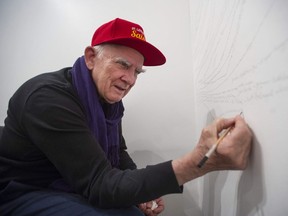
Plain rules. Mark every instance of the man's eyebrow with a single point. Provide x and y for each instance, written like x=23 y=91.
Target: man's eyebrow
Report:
x=140 y=70
x=128 y=64
x=122 y=61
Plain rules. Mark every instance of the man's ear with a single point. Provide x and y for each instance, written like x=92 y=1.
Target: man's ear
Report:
x=90 y=57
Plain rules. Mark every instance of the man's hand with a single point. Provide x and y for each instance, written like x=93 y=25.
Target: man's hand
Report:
x=232 y=152
x=152 y=208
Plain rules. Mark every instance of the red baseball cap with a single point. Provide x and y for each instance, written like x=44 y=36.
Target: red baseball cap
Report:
x=123 y=32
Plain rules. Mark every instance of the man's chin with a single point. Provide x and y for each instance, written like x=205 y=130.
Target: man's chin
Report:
x=113 y=100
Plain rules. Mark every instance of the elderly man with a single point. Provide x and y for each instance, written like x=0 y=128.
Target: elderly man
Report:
x=62 y=150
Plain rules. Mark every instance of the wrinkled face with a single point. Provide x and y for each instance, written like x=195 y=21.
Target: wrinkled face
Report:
x=114 y=71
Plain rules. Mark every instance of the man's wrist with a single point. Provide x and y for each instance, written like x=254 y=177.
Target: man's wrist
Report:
x=186 y=169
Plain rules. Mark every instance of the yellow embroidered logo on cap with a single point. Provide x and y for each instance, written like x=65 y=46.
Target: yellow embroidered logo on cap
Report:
x=138 y=33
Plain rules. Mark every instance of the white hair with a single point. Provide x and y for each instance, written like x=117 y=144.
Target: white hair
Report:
x=99 y=50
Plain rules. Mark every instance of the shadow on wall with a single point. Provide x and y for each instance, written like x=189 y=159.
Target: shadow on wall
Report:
x=251 y=189
x=250 y=194
x=175 y=204
x=213 y=185
x=244 y=190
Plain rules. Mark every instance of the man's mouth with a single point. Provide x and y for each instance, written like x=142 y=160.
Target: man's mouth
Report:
x=121 y=88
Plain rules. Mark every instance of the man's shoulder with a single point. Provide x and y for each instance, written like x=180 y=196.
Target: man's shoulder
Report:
x=56 y=77
x=54 y=81
x=60 y=79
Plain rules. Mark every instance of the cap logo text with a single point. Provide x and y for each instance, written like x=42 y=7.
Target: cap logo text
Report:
x=138 y=33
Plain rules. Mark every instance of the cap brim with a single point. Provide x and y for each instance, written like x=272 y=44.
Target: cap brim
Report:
x=152 y=56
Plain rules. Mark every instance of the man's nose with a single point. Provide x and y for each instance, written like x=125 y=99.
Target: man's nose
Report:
x=130 y=77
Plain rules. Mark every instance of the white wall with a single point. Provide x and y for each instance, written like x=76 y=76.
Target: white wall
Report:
x=240 y=62
x=41 y=36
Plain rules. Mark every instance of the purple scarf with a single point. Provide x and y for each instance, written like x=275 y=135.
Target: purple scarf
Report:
x=103 y=118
